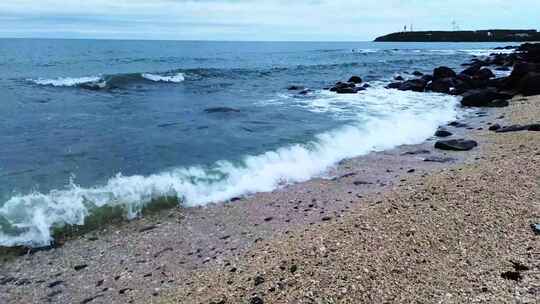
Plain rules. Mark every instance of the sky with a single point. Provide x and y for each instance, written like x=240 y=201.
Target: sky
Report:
x=253 y=20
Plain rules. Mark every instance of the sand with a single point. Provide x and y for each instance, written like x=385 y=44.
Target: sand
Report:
x=387 y=227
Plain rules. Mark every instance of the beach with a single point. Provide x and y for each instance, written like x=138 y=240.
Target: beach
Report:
x=390 y=227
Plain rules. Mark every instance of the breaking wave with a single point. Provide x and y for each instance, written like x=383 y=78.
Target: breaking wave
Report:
x=388 y=118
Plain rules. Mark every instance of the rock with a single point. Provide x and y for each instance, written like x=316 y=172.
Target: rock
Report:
x=416 y=152
x=293 y=268
x=258 y=280
x=456 y=144
x=530 y=84
x=443 y=72
x=221 y=110
x=484 y=74
x=458 y=124
x=394 y=85
x=416 y=85
x=427 y=78
x=295 y=88
x=472 y=70
x=533 y=127
x=55 y=283
x=326 y=219
x=511 y=275
x=441 y=85
x=305 y=92
x=494 y=127
x=147 y=228
x=417 y=73
x=517 y=128
x=256 y=300
x=519 y=267
x=482 y=98
x=498 y=103
x=443 y=133
x=366 y=85
x=344 y=88
x=398 y=78
x=80 y=267
x=355 y=80
x=438 y=159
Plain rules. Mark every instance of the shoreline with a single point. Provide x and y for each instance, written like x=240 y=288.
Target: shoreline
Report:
x=171 y=243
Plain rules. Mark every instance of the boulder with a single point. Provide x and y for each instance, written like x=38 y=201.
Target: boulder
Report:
x=416 y=85
x=495 y=127
x=394 y=85
x=295 y=88
x=530 y=84
x=355 y=80
x=471 y=70
x=427 y=78
x=417 y=73
x=342 y=85
x=398 y=78
x=443 y=133
x=456 y=144
x=443 y=72
x=482 y=98
x=441 y=85
x=484 y=74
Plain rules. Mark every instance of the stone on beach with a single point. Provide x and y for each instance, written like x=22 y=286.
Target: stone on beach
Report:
x=456 y=144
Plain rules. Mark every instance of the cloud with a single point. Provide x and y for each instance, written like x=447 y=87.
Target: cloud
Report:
x=253 y=20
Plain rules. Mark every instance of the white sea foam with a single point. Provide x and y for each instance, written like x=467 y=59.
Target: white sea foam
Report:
x=66 y=81
x=390 y=118
x=160 y=78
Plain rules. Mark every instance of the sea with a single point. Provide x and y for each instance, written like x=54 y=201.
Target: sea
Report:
x=91 y=124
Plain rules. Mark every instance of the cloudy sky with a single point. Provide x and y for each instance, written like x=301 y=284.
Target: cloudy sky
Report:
x=319 y=20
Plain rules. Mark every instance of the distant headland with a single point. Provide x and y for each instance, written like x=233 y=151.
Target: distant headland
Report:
x=462 y=36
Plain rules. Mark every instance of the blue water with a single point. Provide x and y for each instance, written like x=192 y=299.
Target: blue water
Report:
x=142 y=131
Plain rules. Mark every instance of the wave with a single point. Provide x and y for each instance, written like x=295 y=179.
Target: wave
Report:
x=116 y=81
x=398 y=118
x=179 y=77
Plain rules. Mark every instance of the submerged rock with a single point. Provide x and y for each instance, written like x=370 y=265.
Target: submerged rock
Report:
x=456 y=144
x=221 y=110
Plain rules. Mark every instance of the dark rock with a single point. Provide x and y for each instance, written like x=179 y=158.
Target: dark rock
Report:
x=147 y=228
x=221 y=110
x=484 y=74
x=456 y=144
x=256 y=300
x=258 y=280
x=441 y=85
x=512 y=128
x=482 y=98
x=54 y=293
x=80 y=267
x=293 y=268
x=417 y=73
x=443 y=72
x=6 y=280
x=519 y=267
x=530 y=84
x=427 y=78
x=438 y=159
x=498 y=103
x=533 y=127
x=472 y=70
x=399 y=78
x=295 y=88
x=394 y=85
x=268 y=219
x=55 y=283
x=458 y=124
x=305 y=92
x=443 y=133
x=366 y=85
x=326 y=219
x=511 y=275
x=411 y=171
x=416 y=152
x=355 y=80
x=416 y=85
x=88 y=300
x=344 y=88
x=495 y=127
x=358 y=183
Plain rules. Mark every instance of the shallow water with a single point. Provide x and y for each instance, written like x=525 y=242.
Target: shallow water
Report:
x=98 y=123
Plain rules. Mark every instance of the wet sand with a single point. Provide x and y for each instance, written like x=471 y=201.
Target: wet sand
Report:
x=386 y=227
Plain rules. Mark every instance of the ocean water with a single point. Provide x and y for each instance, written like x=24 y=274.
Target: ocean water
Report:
x=86 y=123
